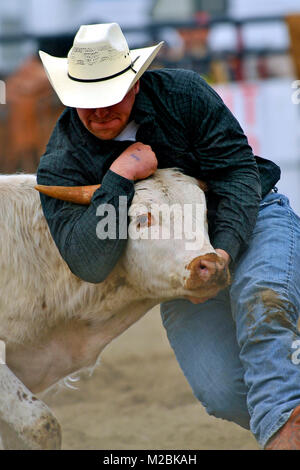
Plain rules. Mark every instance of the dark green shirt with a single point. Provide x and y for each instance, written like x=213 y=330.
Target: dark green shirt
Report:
x=188 y=127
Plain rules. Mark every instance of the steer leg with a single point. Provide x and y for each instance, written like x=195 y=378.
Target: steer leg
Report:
x=25 y=421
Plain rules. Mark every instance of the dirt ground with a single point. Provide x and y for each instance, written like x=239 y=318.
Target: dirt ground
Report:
x=138 y=398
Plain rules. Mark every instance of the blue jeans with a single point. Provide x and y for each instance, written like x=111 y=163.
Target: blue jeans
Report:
x=240 y=351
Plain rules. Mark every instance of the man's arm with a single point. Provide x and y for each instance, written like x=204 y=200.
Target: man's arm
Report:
x=228 y=165
x=73 y=226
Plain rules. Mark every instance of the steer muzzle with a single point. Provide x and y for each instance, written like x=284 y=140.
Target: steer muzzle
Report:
x=207 y=272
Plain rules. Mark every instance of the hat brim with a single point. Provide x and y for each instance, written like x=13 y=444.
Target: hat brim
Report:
x=95 y=94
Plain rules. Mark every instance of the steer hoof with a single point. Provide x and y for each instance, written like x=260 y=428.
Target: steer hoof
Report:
x=44 y=435
x=25 y=421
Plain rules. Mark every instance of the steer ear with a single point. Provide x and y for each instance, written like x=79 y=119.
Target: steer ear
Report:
x=202 y=185
x=76 y=194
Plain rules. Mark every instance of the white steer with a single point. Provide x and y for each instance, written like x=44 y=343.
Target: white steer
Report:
x=54 y=324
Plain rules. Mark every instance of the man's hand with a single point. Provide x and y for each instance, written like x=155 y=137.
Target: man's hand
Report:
x=223 y=263
x=137 y=162
x=224 y=255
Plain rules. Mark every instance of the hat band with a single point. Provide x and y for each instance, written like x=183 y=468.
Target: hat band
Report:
x=108 y=77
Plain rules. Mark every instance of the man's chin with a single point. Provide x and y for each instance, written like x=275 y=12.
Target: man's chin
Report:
x=106 y=131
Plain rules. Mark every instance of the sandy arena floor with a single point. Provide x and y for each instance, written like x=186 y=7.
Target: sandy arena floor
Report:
x=138 y=398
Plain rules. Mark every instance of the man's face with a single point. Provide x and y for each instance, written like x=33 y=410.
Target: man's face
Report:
x=108 y=123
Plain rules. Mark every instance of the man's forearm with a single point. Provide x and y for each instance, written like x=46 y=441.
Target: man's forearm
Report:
x=74 y=229
x=237 y=210
x=92 y=258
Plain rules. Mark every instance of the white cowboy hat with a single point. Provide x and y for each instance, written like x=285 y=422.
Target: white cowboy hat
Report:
x=100 y=69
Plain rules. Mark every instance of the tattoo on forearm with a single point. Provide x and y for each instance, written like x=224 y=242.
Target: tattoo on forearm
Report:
x=135 y=156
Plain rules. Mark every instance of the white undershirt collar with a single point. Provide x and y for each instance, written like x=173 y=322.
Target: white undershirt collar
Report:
x=129 y=133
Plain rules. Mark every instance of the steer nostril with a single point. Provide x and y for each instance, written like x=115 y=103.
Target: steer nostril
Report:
x=206 y=268
x=203 y=270
x=203 y=267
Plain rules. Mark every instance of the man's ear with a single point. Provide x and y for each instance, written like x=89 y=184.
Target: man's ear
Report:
x=136 y=87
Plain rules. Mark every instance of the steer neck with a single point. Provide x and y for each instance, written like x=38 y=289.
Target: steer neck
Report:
x=120 y=306
x=122 y=318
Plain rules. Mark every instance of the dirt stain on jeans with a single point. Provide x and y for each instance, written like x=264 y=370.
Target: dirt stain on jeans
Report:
x=276 y=310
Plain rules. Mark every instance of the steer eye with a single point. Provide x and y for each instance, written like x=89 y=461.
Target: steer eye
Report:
x=144 y=220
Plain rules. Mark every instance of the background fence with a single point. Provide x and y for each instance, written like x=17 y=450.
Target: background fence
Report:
x=254 y=80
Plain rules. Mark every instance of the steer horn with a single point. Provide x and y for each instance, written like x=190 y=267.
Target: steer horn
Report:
x=80 y=194
x=76 y=194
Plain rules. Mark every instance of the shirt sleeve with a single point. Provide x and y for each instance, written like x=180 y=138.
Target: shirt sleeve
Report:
x=229 y=167
x=74 y=227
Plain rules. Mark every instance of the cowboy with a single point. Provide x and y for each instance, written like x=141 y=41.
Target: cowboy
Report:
x=123 y=121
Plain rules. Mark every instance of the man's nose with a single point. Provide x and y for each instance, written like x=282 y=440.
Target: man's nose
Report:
x=101 y=112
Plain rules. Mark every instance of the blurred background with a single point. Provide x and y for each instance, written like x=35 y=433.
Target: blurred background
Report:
x=248 y=51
